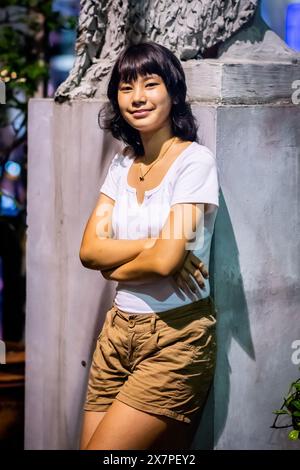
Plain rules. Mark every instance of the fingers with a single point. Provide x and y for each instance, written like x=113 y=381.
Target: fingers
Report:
x=195 y=276
x=198 y=264
x=181 y=284
x=204 y=270
x=193 y=270
x=185 y=282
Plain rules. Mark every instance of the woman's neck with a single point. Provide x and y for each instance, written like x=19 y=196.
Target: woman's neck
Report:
x=154 y=147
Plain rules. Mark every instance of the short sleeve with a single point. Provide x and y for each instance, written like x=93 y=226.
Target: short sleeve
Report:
x=197 y=179
x=110 y=184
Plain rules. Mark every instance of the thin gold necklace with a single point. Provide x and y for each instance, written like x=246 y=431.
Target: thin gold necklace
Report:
x=143 y=176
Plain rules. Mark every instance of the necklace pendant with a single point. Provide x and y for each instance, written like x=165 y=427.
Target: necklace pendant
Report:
x=141 y=178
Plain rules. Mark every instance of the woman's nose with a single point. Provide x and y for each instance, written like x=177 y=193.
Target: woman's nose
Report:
x=138 y=95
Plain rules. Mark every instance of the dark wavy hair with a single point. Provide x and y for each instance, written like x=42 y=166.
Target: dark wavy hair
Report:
x=142 y=59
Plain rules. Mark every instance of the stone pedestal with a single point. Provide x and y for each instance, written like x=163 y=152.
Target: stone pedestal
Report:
x=238 y=81
x=254 y=267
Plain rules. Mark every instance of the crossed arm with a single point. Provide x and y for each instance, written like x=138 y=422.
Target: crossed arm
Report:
x=132 y=260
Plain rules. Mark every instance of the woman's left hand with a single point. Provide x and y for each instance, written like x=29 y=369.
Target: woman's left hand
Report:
x=194 y=267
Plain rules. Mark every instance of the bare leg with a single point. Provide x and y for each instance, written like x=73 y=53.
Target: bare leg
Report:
x=125 y=428
x=177 y=437
x=91 y=420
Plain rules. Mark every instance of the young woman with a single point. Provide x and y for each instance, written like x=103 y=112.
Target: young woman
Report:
x=151 y=231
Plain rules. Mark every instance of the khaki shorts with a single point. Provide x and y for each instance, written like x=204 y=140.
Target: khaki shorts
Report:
x=161 y=363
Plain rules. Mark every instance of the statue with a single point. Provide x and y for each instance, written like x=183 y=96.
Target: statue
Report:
x=189 y=28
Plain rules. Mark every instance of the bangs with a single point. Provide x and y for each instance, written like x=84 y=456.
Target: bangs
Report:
x=141 y=61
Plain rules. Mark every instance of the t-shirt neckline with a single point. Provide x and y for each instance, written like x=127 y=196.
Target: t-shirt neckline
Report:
x=153 y=190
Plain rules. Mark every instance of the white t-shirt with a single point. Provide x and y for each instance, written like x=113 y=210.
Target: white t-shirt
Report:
x=192 y=177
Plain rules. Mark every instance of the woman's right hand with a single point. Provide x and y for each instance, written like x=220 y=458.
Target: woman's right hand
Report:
x=194 y=267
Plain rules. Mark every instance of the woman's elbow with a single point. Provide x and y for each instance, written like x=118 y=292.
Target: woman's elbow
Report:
x=83 y=256
x=86 y=257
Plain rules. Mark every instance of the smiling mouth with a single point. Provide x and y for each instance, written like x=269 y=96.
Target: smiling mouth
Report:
x=141 y=112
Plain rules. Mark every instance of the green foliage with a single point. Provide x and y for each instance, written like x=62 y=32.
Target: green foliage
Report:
x=291 y=407
x=25 y=26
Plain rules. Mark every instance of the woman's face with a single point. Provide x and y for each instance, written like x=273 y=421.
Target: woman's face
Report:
x=146 y=93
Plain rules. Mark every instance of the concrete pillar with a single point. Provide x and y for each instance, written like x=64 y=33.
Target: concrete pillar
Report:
x=255 y=265
x=66 y=303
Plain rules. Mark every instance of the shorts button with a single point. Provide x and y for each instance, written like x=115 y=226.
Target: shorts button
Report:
x=131 y=323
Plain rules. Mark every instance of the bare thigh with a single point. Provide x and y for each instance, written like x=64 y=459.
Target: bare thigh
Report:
x=91 y=420
x=125 y=428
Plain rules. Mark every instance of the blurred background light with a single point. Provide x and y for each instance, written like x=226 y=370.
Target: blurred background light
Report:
x=275 y=13
x=13 y=168
x=292 y=35
x=8 y=206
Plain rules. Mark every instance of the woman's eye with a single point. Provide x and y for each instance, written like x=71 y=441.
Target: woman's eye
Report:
x=126 y=88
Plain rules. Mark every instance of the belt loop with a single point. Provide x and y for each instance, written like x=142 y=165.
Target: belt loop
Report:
x=153 y=320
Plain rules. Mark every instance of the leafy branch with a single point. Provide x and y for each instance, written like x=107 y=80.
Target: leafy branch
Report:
x=291 y=407
x=25 y=26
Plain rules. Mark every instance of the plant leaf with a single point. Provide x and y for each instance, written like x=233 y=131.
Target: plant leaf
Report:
x=281 y=412
x=293 y=435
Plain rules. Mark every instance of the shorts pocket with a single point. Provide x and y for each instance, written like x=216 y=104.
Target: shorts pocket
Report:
x=193 y=335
